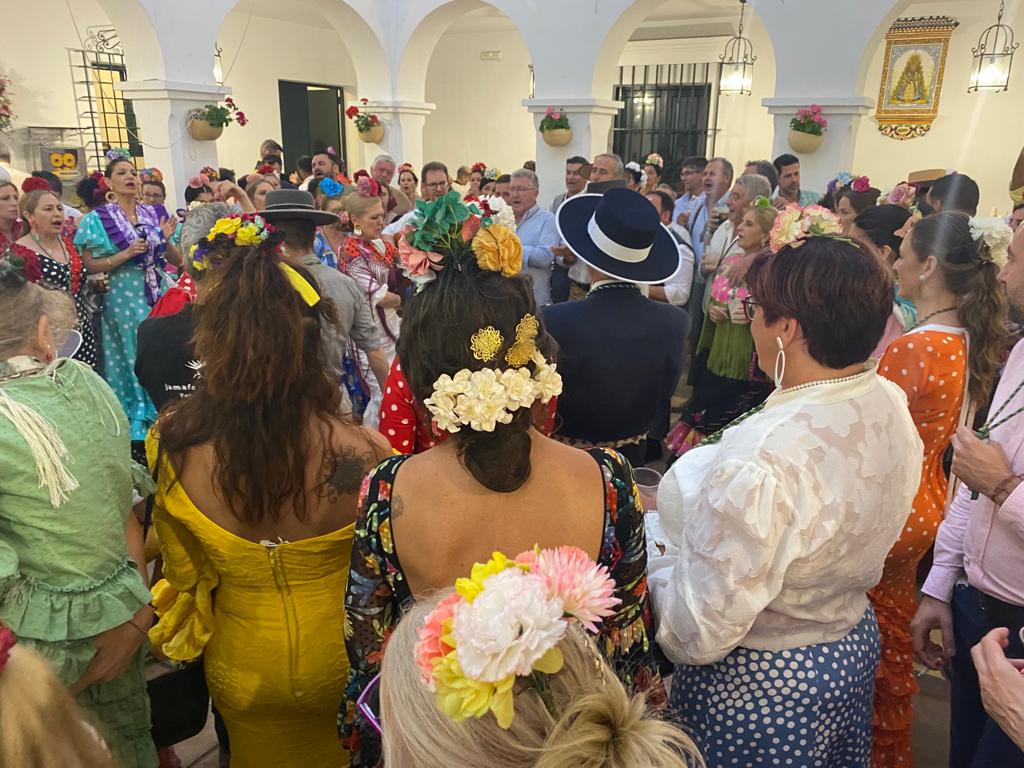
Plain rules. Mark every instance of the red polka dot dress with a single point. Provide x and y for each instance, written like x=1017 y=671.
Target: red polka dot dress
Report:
x=930 y=366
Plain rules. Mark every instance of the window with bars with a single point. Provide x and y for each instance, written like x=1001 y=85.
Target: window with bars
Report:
x=106 y=119
x=668 y=110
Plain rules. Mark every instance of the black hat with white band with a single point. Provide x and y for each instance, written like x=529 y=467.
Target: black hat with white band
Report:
x=619 y=233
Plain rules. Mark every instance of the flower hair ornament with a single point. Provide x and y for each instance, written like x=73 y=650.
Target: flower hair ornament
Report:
x=210 y=173
x=405 y=167
x=199 y=181
x=762 y=202
x=491 y=174
x=117 y=153
x=993 y=236
x=366 y=186
x=656 y=160
x=32 y=183
x=794 y=225
x=449 y=231
x=250 y=229
x=330 y=187
x=503 y=624
x=479 y=167
x=151 y=174
x=484 y=398
x=633 y=165
x=903 y=195
x=861 y=184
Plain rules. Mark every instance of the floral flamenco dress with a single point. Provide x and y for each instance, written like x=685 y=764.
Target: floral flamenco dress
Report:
x=930 y=365
x=134 y=288
x=266 y=620
x=377 y=594
x=65 y=572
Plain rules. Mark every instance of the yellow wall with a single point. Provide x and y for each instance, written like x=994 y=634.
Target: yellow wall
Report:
x=978 y=134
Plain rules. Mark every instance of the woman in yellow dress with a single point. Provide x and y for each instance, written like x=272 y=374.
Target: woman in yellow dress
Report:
x=257 y=480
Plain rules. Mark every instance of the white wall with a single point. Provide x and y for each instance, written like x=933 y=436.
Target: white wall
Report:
x=273 y=50
x=978 y=134
x=33 y=56
x=480 y=115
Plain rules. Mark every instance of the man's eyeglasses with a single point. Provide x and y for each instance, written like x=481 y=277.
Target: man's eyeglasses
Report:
x=748 y=307
x=365 y=707
x=435 y=185
x=518 y=190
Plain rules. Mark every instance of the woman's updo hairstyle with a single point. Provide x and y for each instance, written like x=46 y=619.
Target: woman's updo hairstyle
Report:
x=600 y=725
x=192 y=193
x=880 y=224
x=437 y=328
x=109 y=170
x=969 y=274
x=840 y=293
x=22 y=304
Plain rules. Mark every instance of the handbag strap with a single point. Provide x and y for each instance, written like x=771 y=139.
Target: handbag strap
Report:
x=148 y=519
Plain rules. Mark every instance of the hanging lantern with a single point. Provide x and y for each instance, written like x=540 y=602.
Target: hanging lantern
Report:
x=993 y=57
x=737 y=67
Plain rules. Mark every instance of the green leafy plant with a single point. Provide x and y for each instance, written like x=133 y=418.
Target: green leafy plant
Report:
x=221 y=115
x=554 y=119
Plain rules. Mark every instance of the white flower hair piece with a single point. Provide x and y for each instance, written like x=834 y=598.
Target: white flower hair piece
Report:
x=995 y=234
x=633 y=165
x=501 y=212
x=485 y=398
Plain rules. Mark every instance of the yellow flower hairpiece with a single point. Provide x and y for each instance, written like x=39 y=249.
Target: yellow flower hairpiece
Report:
x=522 y=351
x=486 y=343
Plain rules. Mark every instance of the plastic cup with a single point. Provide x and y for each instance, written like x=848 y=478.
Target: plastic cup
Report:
x=647 y=482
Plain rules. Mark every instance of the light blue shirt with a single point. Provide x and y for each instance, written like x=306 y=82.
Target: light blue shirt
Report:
x=538 y=234
x=699 y=222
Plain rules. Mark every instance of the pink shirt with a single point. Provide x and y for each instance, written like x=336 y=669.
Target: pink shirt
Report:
x=977 y=538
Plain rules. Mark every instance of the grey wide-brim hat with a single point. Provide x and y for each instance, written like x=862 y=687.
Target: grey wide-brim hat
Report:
x=285 y=204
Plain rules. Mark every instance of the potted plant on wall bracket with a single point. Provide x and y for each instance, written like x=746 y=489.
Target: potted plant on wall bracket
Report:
x=371 y=129
x=208 y=123
x=6 y=111
x=807 y=130
x=554 y=127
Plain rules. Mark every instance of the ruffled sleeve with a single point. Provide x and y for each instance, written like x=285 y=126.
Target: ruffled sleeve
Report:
x=183 y=599
x=92 y=236
x=740 y=537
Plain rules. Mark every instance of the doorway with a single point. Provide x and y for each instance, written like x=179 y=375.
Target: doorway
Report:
x=310 y=119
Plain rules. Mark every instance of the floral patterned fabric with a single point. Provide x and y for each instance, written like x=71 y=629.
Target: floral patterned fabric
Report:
x=377 y=594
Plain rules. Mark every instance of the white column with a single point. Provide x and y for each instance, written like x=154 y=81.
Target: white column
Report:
x=162 y=109
x=403 y=131
x=836 y=154
x=591 y=123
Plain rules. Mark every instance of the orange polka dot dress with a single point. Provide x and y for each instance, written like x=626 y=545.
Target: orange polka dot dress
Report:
x=930 y=366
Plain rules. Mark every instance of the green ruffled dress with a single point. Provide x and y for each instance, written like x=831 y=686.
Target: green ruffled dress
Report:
x=65 y=572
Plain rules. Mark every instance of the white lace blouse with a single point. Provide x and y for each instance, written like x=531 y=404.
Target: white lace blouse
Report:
x=783 y=525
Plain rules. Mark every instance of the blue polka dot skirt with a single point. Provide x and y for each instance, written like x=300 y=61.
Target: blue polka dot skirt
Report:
x=807 y=707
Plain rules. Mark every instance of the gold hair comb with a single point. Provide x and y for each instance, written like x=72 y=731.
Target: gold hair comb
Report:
x=522 y=351
x=486 y=343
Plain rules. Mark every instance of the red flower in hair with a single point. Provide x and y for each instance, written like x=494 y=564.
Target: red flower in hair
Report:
x=266 y=168
x=479 y=167
x=33 y=183
x=861 y=184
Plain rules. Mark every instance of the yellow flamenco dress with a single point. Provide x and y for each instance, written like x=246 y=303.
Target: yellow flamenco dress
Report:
x=267 y=618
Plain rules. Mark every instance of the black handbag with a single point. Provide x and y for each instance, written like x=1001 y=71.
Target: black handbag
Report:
x=179 y=701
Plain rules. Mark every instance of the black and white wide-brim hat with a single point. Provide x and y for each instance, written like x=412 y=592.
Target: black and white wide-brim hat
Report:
x=619 y=233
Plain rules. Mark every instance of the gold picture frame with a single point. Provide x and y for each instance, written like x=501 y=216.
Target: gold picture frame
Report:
x=912 y=72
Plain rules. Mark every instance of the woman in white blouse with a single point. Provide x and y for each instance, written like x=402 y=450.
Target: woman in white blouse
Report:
x=780 y=524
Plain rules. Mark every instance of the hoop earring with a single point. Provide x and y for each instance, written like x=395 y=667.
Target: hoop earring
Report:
x=110 y=196
x=780 y=363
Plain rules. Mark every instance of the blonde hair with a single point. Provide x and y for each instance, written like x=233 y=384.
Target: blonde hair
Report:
x=357 y=204
x=40 y=723
x=22 y=304
x=29 y=202
x=764 y=216
x=600 y=726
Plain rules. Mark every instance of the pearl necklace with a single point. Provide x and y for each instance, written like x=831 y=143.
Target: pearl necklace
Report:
x=810 y=384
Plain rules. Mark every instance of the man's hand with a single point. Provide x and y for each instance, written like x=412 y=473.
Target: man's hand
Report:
x=980 y=464
x=1002 y=684
x=683 y=219
x=565 y=254
x=933 y=614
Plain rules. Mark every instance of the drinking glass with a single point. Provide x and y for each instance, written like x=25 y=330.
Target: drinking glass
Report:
x=647 y=481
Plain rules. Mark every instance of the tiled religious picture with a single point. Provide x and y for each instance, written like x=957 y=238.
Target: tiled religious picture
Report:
x=915 y=59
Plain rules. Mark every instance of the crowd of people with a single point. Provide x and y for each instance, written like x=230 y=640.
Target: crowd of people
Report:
x=289 y=438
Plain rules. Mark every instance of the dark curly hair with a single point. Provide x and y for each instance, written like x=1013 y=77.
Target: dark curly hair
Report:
x=436 y=331
x=264 y=381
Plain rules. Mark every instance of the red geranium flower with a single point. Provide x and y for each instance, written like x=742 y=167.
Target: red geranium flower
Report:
x=351 y=111
x=374 y=120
